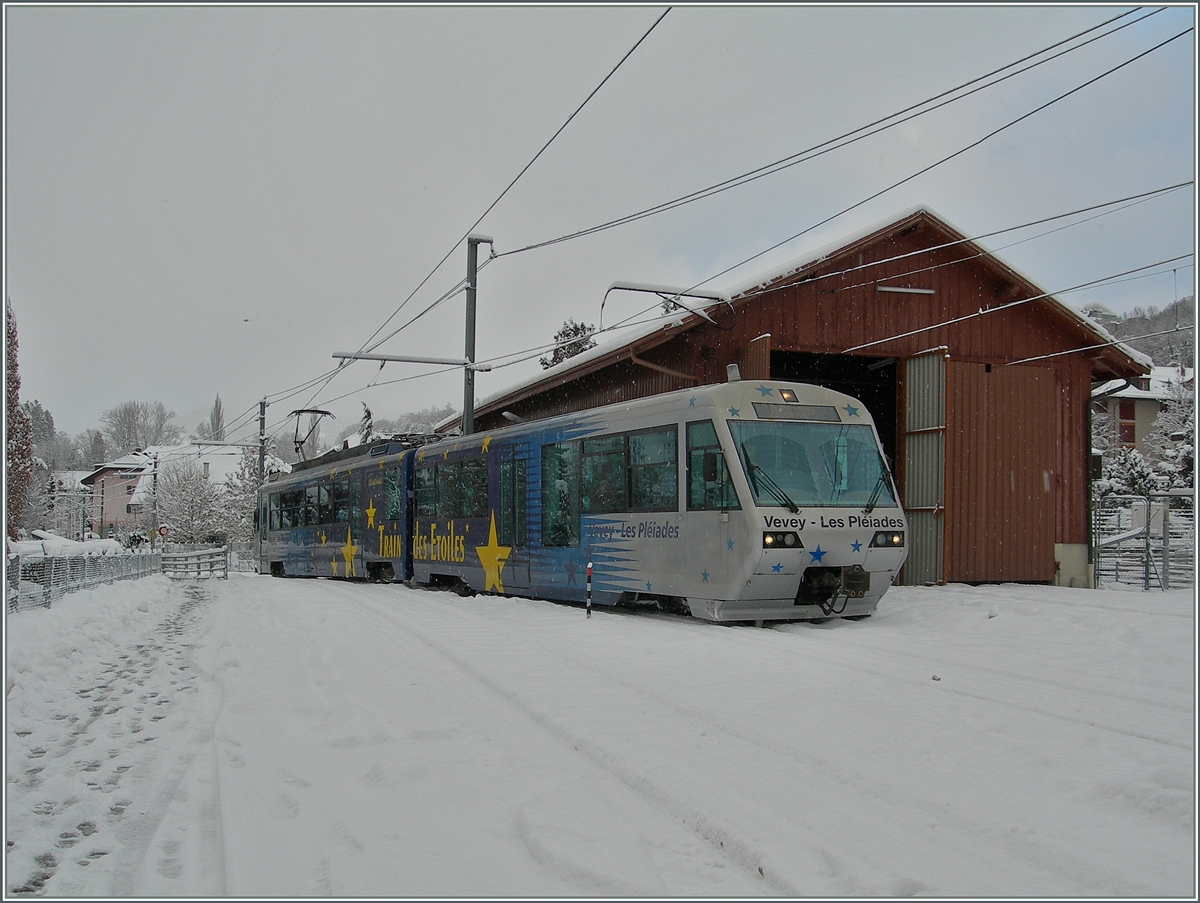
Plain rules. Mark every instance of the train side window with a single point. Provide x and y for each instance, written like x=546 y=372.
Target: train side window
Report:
x=423 y=479
x=448 y=483
x=392 y=489
x=473 y=496
x=603 y=475
x=560 y=495
x=312 y=508
x=274 y=516
x=325 y=504
x=709 y=485
x=511 y=528
x=341 y=501
x=653 y=472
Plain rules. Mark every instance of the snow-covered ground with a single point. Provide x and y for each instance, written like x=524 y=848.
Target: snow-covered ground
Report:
x=265 y=737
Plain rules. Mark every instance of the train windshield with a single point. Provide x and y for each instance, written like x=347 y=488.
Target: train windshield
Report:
x=812 y=465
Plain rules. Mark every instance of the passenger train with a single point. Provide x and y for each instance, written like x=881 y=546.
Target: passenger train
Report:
x=742 y=501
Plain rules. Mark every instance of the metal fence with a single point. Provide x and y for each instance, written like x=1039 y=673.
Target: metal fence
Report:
x=1145 y=542
x=37 y=582
x=201 y=564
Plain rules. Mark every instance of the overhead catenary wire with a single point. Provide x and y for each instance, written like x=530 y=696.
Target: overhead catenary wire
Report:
x=825 y=147
x=847 y=138
x=333 y=374
x=909 y=178
x=1011 y=304
x=947 y=158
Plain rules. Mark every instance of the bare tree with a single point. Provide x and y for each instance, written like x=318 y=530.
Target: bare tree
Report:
x=139 y=424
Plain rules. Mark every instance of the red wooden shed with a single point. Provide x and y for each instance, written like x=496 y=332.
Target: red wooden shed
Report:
x=978 y=380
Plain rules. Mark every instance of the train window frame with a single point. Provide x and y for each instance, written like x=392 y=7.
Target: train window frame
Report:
x=640 y=472
x=425 y=490
x=274 y=507
x=561 y=504
x=393 y=494
x=473 y=488
x=723 y=494
x=604 y=474
x=512 y=529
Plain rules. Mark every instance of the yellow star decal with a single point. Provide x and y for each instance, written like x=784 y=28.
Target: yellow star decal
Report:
x=487 y=440
x=333 y=564
x=492 y=557
x=348 y=551
x=370 y=509
x=322 y=537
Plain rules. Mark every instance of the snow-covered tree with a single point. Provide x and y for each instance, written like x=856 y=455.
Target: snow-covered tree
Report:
x=188 y=502
x=1127 y=472
x=213 y=429
x=18 y=447
x=1170 y=446
x=241 y=497
x=366 y=426
x=574 y=338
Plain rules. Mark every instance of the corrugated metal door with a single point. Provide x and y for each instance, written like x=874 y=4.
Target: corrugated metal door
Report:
x=925 y=466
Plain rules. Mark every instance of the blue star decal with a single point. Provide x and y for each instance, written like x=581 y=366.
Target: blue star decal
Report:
x=817 y=554
x=647 y=586
x=764 y=391
x=856 y=546
x=692 y=402
x=733 y=412
x=776 y=568
x=729 y=544
x=704 y=576
x=851 y=411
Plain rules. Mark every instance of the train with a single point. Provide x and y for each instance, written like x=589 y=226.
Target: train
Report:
x=742 y=501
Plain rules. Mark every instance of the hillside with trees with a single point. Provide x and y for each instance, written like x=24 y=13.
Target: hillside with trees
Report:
x=1167 y=335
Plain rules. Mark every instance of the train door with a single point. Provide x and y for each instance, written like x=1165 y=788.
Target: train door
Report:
x=511 y=518
x=710 y=498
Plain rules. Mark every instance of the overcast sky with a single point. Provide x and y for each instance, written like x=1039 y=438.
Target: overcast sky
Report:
x=215 y=199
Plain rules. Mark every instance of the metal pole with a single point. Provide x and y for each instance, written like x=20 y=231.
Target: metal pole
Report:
x=1146 y=569
x=1166 y=573
x=262 y=440
x=468 y=416
x=589 y=589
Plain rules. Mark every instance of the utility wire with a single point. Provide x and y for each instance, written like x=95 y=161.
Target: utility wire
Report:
x=1011 y=304
x=947 y=158
x=525 y=169
x=846 y=139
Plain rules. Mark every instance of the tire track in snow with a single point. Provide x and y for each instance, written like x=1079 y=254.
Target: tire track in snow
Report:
x=1027 y=849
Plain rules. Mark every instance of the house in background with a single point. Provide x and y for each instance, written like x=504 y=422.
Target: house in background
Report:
x=122 y=491
x=1134 y=404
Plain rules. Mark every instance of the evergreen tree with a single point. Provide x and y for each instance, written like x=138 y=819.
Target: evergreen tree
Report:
x=574 y=338
x=366 y=426
x=41 y=421
x=18 y=448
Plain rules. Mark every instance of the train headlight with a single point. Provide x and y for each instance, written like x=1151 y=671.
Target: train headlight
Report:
x=888 y=539
x=782 y=540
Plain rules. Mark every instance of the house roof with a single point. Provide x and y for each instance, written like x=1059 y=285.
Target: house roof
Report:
x=1106 y=352
x=1159 y=385
x=221 y=459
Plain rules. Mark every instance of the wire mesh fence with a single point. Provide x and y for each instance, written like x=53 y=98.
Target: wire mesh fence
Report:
x=37 y=582
x=1145 y=542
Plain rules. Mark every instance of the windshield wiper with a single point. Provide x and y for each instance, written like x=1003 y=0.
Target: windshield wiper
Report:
x=773 y=489
x=876 y=492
